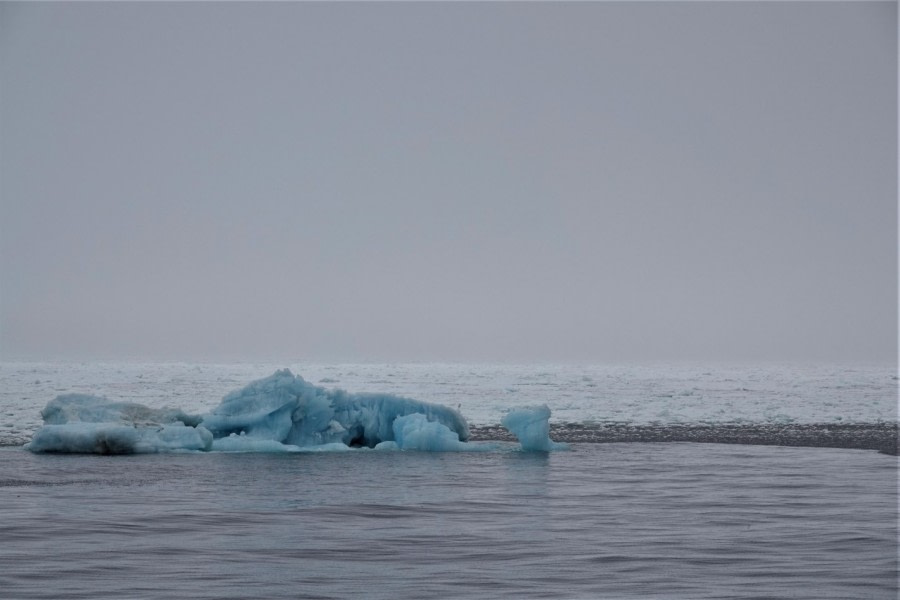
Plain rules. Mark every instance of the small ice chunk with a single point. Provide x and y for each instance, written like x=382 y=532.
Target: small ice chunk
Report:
x=416 y=432
x=531 y=426
x=387 y=446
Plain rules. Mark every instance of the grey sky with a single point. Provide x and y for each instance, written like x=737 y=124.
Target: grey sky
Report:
x=501 y=181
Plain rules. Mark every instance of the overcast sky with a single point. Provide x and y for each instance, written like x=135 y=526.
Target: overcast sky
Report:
x=476 y=181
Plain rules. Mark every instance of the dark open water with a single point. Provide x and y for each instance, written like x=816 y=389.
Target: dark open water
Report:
x=602 y=521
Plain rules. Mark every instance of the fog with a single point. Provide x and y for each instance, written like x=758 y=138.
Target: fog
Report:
x=435 y=181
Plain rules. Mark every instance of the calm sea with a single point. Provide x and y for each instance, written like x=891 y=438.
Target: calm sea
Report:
x=663 y=520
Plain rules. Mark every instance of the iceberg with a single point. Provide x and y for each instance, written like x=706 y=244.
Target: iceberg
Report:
x=95 y=425
x=531 y=426
x=286 y=408
x=279 y=413
x=106 y=438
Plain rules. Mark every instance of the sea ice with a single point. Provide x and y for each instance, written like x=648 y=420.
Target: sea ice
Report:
x=286 y=408
x=110 y=438
x=90 y=424
x=531 y=426
x=280 y=413
x=416 y=432
x=83 y=408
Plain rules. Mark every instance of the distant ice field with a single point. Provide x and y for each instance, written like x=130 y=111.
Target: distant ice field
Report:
x=587 y=394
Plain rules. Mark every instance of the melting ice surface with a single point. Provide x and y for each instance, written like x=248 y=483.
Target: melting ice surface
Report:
x=531 y=426
x=282 y=412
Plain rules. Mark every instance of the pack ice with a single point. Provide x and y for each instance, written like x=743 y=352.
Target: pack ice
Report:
x=282 y=412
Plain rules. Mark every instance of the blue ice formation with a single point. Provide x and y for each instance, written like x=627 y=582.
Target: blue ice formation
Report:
x=287 y=409
x=88 y=424
x=107 y=438
x=416 y=432
x=531 y=426
x=91 y=409
x=279 y=413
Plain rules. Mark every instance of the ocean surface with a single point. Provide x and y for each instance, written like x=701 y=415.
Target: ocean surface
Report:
x=610 y=520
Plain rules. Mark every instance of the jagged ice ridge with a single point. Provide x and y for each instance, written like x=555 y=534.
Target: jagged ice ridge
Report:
x=282 y=412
